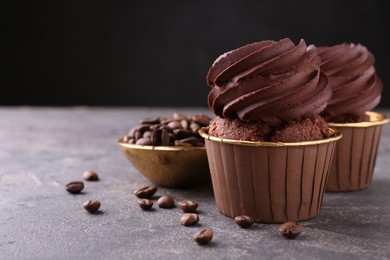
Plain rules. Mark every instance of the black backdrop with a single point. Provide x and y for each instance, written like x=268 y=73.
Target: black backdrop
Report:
x=157 y=53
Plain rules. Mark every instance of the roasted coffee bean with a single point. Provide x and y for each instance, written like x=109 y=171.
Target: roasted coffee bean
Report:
x=145 y=204
x=175 y=125
x=201 y=119
x=195 y=127
x=182 y=133
x=179 y=143
x=147 y=134
x=244 y=221
x=90 y=176
x=178 y=116
x=132 y=141
x=137 y=135
x=164 y=137
x=189 y=219
x=290 y=229
x=156 y=137
x=132 y=132
x=145 y=192
x=91 y=205
x=166 y=202
x=125 y=139
x=204 y=236
x=150 y=120
x=190 y=140
x=188 y=206
x=144 y=141
x=143 y=128
x=75 y=187
x=184 y=124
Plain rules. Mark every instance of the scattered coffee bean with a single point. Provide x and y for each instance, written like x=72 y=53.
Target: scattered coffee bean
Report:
x=145 y=204
x=244 y=221
x=145 y=192
x=75 y=187
x=166 y=202
x=290 y=229
x=189 y=219
x=90 y=176
x=204 y=236
x=188 y=206
x=179 y=130
x=91 y=205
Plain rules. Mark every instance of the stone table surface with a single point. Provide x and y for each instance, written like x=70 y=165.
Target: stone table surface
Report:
x=41 y=149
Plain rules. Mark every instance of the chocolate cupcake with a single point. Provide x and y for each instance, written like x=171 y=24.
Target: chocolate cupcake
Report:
x=268 y=148
x=356 y=92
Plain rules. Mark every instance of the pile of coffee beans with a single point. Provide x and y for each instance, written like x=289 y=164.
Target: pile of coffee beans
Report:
x=178 y=130
x=144 y=199
x=75 y=187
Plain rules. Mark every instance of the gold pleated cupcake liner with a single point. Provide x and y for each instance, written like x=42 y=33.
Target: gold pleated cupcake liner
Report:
x=355 y=155
x=272 y=182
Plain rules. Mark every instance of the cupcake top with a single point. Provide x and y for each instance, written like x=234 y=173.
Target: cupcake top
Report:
x=352 y=76
x=268 y=81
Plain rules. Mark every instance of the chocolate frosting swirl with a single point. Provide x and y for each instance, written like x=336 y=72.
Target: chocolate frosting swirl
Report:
x=356 y=87
x=268 y=82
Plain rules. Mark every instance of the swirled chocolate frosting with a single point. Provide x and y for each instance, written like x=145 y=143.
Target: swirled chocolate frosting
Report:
x=268 y=81
x=356 y=87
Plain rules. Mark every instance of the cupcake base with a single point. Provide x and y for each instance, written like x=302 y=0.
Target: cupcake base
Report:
x=271 y=182
x=355 y=155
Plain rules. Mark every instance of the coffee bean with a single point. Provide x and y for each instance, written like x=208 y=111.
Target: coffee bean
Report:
x=145 y=204
x=75 y=187
x=125 y=139
x=145 y=192
x=91 y=205
x=290 y=229
x=164 y=137
x=179 y=143
x=156 y=137
x=178 y=116
x=195 y=127
x=201 y=119
x=166 y=202
x=244 y=221
x=132 y=131
x=90 y=176
x=137 y=135
x=150 y=120
x=189 y=219
x=204 y=236
x=132 y=141
x=175 y=125
x=184 y=124
x=144 y=141
x=188 y=206
x=147 y=134
x=182 y=133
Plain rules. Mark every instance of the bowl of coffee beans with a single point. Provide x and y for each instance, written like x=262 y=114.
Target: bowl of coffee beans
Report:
x=168 y=151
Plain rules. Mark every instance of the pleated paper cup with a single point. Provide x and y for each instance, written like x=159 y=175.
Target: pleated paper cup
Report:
x=355 y=155
x=271 y=182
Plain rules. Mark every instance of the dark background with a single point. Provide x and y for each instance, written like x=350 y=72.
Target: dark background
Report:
x=157 y=53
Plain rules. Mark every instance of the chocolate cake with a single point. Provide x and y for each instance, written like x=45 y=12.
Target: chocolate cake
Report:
x=310 y=127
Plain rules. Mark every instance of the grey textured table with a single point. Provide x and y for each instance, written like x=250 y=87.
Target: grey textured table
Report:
x=41 y=149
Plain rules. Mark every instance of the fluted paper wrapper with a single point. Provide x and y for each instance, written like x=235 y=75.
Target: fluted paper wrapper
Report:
x=355 y=155
x=272 y=182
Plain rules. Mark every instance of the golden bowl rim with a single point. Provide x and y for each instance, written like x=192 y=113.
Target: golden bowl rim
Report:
x=375 y=119
x=336 y=135
x=158 y=148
